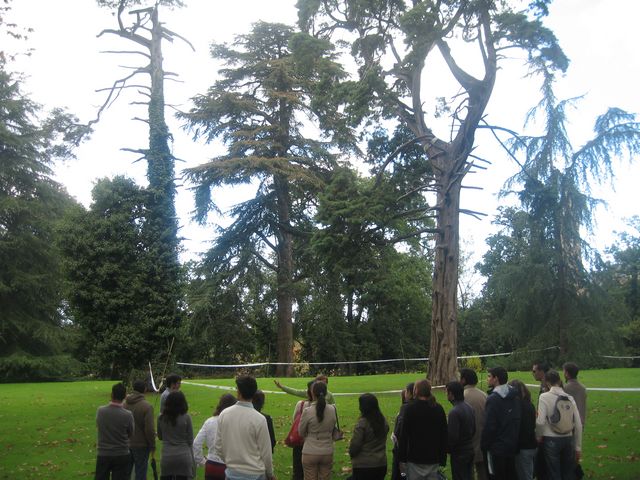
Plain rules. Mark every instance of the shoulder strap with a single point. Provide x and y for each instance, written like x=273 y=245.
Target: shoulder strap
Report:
x=337 y=421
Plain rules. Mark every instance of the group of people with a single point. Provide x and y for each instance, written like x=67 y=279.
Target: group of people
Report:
x=500 y=435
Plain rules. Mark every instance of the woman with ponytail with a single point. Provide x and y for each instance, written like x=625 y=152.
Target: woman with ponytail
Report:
x=316 y=427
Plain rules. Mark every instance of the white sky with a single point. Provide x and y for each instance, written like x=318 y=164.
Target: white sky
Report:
x=67 y=68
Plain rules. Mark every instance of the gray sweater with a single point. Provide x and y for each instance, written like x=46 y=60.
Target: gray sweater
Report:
x=115 y=428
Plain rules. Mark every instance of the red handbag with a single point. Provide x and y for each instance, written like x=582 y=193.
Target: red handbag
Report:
x=293 y=438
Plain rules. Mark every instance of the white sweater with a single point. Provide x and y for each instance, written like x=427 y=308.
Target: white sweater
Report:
x=207 y=436
x=546 y=405
x=242 y=441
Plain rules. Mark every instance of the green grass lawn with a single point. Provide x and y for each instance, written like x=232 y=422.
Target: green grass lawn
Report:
x=48 y=429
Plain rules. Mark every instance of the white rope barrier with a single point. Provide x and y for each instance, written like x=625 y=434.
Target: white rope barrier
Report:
x=153 y=383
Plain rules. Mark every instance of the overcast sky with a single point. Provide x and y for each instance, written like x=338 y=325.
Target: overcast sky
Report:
x=67 y=68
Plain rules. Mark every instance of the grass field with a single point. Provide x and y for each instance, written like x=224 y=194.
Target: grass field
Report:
x=48 y=429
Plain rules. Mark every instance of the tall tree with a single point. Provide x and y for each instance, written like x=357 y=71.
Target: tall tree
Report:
x=395 y=46
x=148 y=32
x=274 y=79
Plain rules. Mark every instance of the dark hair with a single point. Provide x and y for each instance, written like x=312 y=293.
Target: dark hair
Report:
x=523 y=391
x=247 y=386
x=258 y=400
x=319 y=390
x=422 y=388
x=456 y=389
x=469 y=376
x=572 y=369
x=227 y=400
x=174 y=406
x=370 y=409
x=540 y=365
x=139 y=386
x=552 y=378
x=407 y=392
x=118 y=392
x=500 y=373
x=309 y=385
x=172 y=379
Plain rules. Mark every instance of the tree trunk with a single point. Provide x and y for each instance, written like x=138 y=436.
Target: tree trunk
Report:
x=285 y=279
x=442 y=365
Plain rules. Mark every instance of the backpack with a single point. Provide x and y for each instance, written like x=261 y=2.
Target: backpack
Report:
x=561 y=421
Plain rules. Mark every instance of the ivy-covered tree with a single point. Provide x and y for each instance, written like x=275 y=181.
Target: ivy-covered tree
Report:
x=396 y=45
x=274 y=79
x=112 y=280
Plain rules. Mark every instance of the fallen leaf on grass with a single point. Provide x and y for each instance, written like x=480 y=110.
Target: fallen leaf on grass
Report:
x=601 y=446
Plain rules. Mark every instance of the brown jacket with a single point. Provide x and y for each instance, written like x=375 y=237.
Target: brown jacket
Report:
x=144 y=435
x=476 y=398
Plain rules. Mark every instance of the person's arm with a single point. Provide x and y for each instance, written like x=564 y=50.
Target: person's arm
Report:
x=189 y=430
x=264 y=446
x=443 y=436
x=357 y=440
x=159 y=429
x=272 y=433
x=198 y=442
x=577 y=429
x=292 y=391
x=149 y=430
x=541 y=419
x=329 y=398
x=132 y=425
x=490 y=425
x=403 y=440
x=453 y=430
x=217 y=449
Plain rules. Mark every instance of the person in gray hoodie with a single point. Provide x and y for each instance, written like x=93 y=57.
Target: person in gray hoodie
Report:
x=143 y=442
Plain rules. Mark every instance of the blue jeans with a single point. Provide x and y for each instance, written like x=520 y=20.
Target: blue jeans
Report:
x=139 y=462
x=525 y=462
x=560 y=457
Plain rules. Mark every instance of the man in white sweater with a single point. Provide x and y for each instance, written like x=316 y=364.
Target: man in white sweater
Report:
x=561 y=448
x=243 y=441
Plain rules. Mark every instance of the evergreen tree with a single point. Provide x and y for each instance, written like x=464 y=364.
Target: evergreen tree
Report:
x=257 y=109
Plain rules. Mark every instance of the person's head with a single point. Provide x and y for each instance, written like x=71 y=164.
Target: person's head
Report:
x=407 y=393
x=174 y=406
x=319 y=393
x=370 y=409
x=247 y=387
x=468 y=377
x=570 y=370
x=552 y=379
x=258 y=400
x=539 y=369
x=455 y=392
x=497 y=376
x=523 y=391
x=118 y=392
x=173 y=382
x=227 y=400
x=322 y=378
x=422 y=390
x=139 y=386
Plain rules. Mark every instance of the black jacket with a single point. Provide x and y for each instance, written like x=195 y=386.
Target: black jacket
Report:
x=527 y=437
x=461 y=428
x=423 y=438
x=501 y=424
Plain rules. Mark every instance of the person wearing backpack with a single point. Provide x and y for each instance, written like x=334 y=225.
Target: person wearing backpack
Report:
x=559 y=429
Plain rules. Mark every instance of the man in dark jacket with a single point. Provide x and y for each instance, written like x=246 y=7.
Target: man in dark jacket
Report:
x=501 y=426
x=423 y=440
x=461 y=428
x=143 y=441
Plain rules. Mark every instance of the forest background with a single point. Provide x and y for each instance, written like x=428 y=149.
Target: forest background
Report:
x=76 y=282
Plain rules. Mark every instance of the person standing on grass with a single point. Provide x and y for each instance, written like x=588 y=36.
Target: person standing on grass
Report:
x=172 y=383
x=143 y=441
x=176 y=432
x=538 y=370
x=561 y=449
x=407 y=397
x=527 y=443
x=368 y=446
x=316 y=427
x=258 y=403
x=574 y=388
x=214 y=467
x=461 y=427
x=298 y=472
x=242 y=442
x=115 y=428
x=423 y=439
x=303 y=393
x=477 y=399
x=501 y=431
